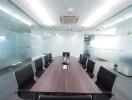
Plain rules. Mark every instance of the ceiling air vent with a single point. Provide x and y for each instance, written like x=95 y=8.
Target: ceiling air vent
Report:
x=68 y=19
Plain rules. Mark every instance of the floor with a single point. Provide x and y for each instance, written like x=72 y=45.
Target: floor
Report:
x=122 y=88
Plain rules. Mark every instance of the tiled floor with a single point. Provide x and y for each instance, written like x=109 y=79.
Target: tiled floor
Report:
x=122 y=88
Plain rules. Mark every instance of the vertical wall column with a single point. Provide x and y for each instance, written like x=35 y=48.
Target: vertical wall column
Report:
x=86 y=46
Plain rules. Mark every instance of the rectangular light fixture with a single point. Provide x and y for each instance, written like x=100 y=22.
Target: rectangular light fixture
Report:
x=46 y=35
x=118 y=21
x=111 y=24
x=40 y=11
x=33 y=35
x=14 y=15
x=111 y=31
x=100 y=12
x=27 y=33
x=17 y=63
x=2 y=38
x=36 y=36
x=105 y=42
x=128 y=16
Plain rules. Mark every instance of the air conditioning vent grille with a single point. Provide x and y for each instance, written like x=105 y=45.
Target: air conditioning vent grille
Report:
x=69 y=19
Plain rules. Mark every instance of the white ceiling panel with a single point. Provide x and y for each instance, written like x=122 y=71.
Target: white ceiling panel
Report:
x=48 y=12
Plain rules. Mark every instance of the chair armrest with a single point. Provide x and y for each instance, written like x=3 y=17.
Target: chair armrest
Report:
x=21 y=90
x=40 y=71
x=109 y=93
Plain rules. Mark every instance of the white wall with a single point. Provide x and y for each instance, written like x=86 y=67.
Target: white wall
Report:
x=57 y=42
x=60 y=42
x=115 y=46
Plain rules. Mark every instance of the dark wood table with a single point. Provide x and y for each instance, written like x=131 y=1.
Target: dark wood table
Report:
x=71 y=80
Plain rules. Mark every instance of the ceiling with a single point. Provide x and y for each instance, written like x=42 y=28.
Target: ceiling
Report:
x=39 y=9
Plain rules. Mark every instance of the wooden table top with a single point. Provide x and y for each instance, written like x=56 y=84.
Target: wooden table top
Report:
x=71 y=80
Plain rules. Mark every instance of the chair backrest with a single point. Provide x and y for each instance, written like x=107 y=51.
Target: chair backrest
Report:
x=84 y=60
x=80 y=59
x=50 y=56
x=66 y=53
x=24 y=75
x=46 y=60
x=62 y=97
x=39 y=64
x=27 y=95
x=105 y=79
x=90 y=66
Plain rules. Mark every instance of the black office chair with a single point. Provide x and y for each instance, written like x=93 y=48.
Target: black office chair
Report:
x=105 y=81
x=90 y=68
x=46 y=60
x=84 y=60
x=39 y=67
x=102 y=96
x=63 y=97
x=50 y=57
x=27 y=95
x=80 y=58
x=25 y=80
x=67 y=54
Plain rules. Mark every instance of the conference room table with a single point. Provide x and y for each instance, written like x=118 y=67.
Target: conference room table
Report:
x=58 y=79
